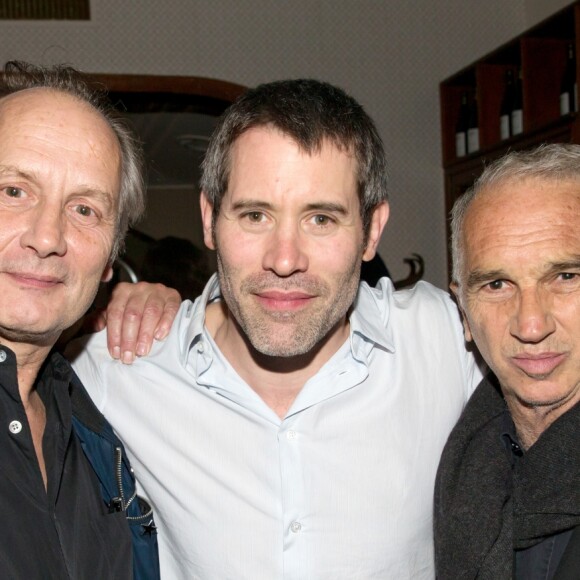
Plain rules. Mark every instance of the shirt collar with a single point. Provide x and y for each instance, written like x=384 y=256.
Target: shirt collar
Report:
x=54 y=368
x=210 y=293
x=368 y=319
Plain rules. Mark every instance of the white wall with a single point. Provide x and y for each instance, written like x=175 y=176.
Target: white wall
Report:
x=389 y=54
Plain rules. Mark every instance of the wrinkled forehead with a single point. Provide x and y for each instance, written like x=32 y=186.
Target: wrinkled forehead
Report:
x=520 y=197
x=512 y=216
x=61 y=108
x=43 y=119
x=43 y=100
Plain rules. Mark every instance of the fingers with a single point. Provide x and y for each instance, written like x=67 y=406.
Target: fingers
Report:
x=136 y=315
x=171 y=300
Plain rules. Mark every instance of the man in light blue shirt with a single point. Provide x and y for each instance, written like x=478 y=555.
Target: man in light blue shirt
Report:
x=291 y=424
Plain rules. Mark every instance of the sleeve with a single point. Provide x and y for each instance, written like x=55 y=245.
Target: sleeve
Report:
x=88 y=356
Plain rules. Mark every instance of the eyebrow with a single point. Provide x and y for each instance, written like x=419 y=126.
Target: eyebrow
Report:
x=572 y=264
x=251 y=203
x=321 y=206
x=12 y=169
x=478 y=277
x=105 y=196
x=327 y=206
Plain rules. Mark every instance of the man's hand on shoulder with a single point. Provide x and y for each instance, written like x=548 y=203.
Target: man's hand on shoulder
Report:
x=135 y=316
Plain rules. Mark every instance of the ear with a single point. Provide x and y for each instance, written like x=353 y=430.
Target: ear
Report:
x=107 y=274
x=457 y=293
x=207 y=220
x=378 y=222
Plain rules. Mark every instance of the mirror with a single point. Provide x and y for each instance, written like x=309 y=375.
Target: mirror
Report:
x=173 y=117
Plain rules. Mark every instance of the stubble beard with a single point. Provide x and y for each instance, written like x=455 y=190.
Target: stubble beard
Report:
x=288 y=334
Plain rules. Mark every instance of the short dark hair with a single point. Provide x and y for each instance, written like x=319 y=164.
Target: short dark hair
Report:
x=308 y=111
x=18 y=76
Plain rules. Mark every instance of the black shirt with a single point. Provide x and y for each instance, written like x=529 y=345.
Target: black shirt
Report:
x=64 y=531
x=540 y=561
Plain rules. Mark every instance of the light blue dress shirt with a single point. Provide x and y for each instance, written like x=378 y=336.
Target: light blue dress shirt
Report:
x=341 y=488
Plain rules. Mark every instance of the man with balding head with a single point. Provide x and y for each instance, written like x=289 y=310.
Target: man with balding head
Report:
x=508 y=493
x=70 y=184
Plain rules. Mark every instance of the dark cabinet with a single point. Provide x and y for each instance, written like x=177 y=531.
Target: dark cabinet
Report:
x=539 y=58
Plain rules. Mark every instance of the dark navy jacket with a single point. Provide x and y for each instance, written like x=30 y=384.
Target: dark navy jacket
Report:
x=107 y=456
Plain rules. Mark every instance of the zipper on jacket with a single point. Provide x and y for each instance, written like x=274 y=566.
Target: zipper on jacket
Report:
x=120 y=503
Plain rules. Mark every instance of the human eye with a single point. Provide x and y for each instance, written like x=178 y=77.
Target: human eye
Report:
x=12 y=191
x=566 y=281
x=254 y=217
x=84 y=214
x=498 y=289
x=495 y=285
x=14 y=196
x=320 y=223
x=253 y=220
x=85 y=210
x=322 y=220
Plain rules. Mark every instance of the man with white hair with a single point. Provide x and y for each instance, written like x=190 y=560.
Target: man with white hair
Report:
x=507 y=501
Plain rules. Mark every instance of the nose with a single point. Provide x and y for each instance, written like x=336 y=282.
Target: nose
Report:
x=286 y=253
x=44 y=233
x=533 y=320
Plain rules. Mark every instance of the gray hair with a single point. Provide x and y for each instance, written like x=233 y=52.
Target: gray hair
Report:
x=554 y=162
x=308 y=111
x=18 y=76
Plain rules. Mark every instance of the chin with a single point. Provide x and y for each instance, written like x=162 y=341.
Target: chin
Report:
x=31 y=335
x=544 y=396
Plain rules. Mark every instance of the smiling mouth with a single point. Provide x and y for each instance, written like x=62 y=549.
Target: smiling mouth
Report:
x=34 y=280
x=284 y=301
x=538 y=365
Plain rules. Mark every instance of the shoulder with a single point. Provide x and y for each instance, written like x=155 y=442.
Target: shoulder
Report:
x=90 y=358
x=424 y=295
x=93 y=347
x=419 y=320
x=424 y=303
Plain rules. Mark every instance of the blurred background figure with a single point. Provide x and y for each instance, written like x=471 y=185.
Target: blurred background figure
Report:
x=177 y=263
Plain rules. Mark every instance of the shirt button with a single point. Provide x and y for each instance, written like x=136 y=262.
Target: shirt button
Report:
x=295 y=527
x=15 y=427
x=2 y=356
x=291 y=434
x=200 y=347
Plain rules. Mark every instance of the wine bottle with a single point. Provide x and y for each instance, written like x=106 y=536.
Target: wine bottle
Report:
x=461 y=128
x=473 y=128
x=517 y=116
x=569 y=87
x=506 y=106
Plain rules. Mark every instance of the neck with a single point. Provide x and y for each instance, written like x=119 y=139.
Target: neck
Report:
x=532 y=421
x=29 y=359
x=276 y=379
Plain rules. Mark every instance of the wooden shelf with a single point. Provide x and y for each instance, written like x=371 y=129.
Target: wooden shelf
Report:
x=541 y=55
